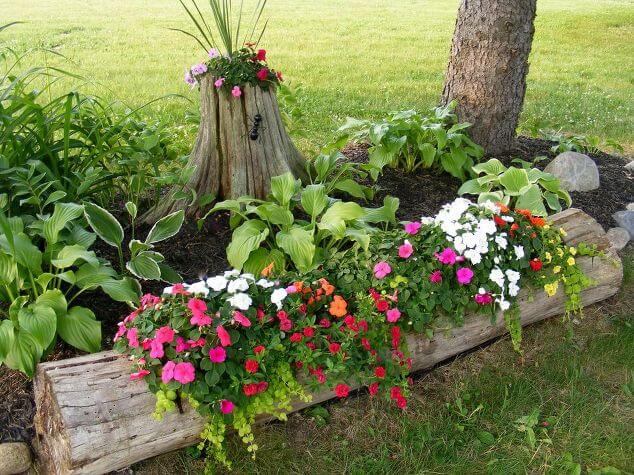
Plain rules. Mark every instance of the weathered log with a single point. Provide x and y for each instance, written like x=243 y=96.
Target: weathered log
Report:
x=91 y=419
x=228 y=162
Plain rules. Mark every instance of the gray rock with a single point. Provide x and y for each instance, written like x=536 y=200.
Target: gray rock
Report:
x=618 y=238
x=625 y=219
x=15 y=457
x=630 y=207
x=576 y=171
x=630 y=166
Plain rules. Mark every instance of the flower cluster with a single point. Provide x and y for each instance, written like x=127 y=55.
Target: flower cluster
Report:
x=232 y=72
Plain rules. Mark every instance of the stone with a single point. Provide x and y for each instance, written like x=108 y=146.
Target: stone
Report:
x=15 y=457
x=630 y=166
x=625 y=219
x=630 y=207
x=618 y=237
x=575 y=171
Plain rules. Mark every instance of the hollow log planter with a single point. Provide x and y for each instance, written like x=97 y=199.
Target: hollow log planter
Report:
x=91 y=419
x=229 y=161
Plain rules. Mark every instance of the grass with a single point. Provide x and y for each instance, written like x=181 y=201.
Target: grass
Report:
x=463 y=419
x=354 y=57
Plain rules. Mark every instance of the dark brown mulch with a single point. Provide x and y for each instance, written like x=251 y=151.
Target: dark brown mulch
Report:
x=195 y=253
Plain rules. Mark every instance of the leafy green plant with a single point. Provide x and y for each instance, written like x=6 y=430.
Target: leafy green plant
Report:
x=520 y=188
x=578 y=143
x=44 y=267
x=297 y=226
x=289 y=100
x=409 y=140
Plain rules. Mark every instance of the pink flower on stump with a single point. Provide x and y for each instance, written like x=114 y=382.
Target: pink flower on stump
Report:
x=217 y=354
x=381 y=269
x=393 y=315
x=168 y=372
x=184 y=373
x=236 y=91
x=412 y=228
x=405 y=250
x=464 y=275
x=226 y=406
x=447 y=256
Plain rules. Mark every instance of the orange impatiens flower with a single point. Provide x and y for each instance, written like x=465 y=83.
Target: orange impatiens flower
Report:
x=268 y=270
x=503 y=207
x=338 y=306
x=327 y=287
x=525 y=212
x=537 y=221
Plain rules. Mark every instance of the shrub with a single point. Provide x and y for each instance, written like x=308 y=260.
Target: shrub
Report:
x=297 y=227
x=409 y=140
x=523 y=188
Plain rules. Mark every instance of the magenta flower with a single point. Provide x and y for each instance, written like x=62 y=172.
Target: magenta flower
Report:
x=181 y=345
x=200 y=319
x=405 y=250
x=164 y=335
x=217 y=354
x=447 y=256
x=236 y=91
x=412 y=228
x=219 y=82
x=393 y=315
x=184 y=373
x=198 y=308
x=225 y=339
x=483 y=299
x=464 y=275
x=149 y=300
x=179 y=289
x=435 y=277
x=226 y=406
x=168 y=372
x=197 y=343
x=291 y=289
x=133 y=339
x=156 y=349
x=139 y=375
x=120 y=332
x=381 y=269
x=241 y=319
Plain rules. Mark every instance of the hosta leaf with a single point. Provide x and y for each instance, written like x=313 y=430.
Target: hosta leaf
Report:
x=63 y=214
x=262 y=258
x=166 y=227
x=7 y=337
x=144 y=266
x=8 y=269
x=80 y=329
x=472 y=187
x=490 y=167
x=168 y=274
x=131 y=208
x=428 y=154
x=275 y=214
x=532 y=200
x=53 y=299
x=245 y=239
x=104 y=224
x=351 y=187
x=40 y=321
x=69 y=255
x=383 y=214
x=513 y=180
x=284 y=187
x=361 y=236
x=314 y=199
x=24 y=354
x=494 y=196
x=122 y=290
x=299 y=245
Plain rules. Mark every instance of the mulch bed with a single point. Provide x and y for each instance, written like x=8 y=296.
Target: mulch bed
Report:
x=196 y=254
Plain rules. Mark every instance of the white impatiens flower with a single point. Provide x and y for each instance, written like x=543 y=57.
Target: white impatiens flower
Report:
x=426 y=220
x=450 y=227
x=501 y=241
x=513 y=289
x=248 y=276
x=240 y=301
x=519 y=251
x=459 y=245
x=232 y=273
x=199 y=288
x=217 y=283
x=265 y=284
x=504 y=304
x=487 y=226
x=508 y=219
x=168 y=290
x=238 y=285
x=278 y=296
x=470 y=240
x=497 y=276
x=513 y=276
x=496 y=259
x=491 y=206
x=482 y=291
x=473 y=255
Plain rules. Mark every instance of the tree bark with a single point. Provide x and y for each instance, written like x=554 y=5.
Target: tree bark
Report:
x=91 y=419
x=228 y=162
x=487 y=70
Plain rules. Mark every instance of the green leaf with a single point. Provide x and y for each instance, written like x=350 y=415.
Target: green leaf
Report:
x=63 y=214
x=299 y=245
x=532 y=200
x=166 y=227
x=472 y=187
x=275 y=214
x=122 y=290
x=25 y=253
x=104 y=224
x=486 y=437
x=552 y=200
x=491 y=167
x=314 y=199
x=131 y=208
x=8 y=269
x=69 y=255
x=137 y=246
x=514 y=180
x=360 y=236
x=261 y=258
x=454 y=162
x=352 y=188
x=245 y=238
x=7 y=337
x=144 y=266
x=428 y=153
x=284 y=187
x=168 y=274
x=494 y=196
x=24 y=354
x=53 y=299
x=379 y=157
x=80 y=329
x=383 y=214
x=40 y=321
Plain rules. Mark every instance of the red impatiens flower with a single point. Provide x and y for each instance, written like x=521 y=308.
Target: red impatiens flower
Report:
x=261 y=55
x=309 y=332
x=263 y=74
x=223 y=335
x=334 y=348
x=373 y=388
x=401 y=402
x=279 y=76
x=258 y=349
x=311 y=345
x=382 y=305
x=396 y=336
x=251 y=366
x=324 y=323
x=296 y=337
x=342 y=390
x=379 y=372
x=499 y=221
x=536 y=264
x=395 y=392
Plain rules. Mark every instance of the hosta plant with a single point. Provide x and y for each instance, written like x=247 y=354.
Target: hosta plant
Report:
x=409 y=141
x=524 y=188
x=298 y=227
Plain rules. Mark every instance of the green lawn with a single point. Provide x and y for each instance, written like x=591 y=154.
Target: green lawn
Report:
x=354 y=57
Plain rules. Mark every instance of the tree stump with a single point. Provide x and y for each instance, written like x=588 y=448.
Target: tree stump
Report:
x=229 y=160
x=91 y=419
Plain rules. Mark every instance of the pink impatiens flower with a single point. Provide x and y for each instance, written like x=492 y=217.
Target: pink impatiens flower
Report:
x=381 y=269
x=179 y=289
x=219 y=82
x=198 y=308
x=226 y=406
x=200 y=319
x=149 y=300
x=405 y=250
x=139 y=375
x=164 y=335
x=412 y=228
x=483 y=299
x=241 y=319
x=225 y=339
x=217 y=354
x=181 y=345
x=120 y=332
x=156 y=349
x=167 y=374
x=435 y=277
x=393 y=315
x=184 y=373
x=133 y=339
x=464 y=275
x=447 y=256
x=236 y=91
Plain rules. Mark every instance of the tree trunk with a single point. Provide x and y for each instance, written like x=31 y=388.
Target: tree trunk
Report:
x=91 y=419
x=487 y=70
x=228 y=160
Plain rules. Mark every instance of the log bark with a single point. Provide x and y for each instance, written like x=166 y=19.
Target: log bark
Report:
x=91 y=419
x=487 y=70
x=227 y=161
